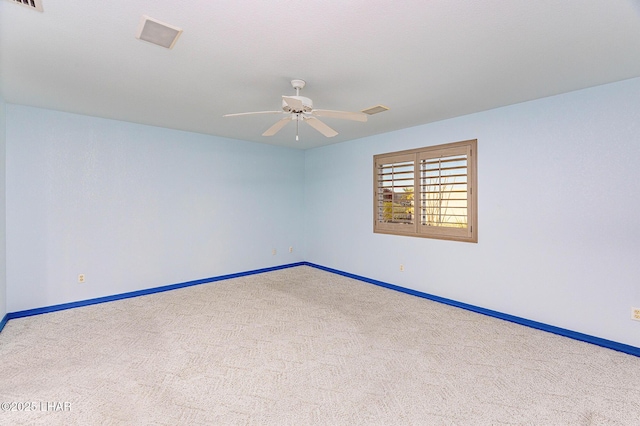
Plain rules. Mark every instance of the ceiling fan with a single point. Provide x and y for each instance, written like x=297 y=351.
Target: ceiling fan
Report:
x=298 y=108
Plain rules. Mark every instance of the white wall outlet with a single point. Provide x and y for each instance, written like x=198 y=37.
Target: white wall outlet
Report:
x=290 y=249
x=635 y=314
x=81 y=278
x=273 y=252
x=401 y=267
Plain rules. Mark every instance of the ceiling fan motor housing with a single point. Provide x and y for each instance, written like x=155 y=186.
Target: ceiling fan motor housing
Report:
x=307 y=105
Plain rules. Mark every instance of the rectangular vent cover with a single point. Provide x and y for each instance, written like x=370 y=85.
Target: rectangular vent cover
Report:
x=31 y=4
x=156 y=32
x=375 y=109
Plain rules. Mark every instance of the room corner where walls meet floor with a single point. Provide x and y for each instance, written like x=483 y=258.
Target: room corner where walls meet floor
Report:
x=609 y=344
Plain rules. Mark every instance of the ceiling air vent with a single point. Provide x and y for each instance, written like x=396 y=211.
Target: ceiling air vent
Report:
x=157 y=32
x=31 y=4
x=375 y=109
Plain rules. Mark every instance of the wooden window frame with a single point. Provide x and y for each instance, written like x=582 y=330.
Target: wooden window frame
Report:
x=419 y=227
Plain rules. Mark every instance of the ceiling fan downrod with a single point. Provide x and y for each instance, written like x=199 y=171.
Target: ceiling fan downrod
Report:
x=298 y=84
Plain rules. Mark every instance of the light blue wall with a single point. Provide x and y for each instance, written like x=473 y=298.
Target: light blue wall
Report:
x=135 y=207
x=3 y=252
x=559 y=238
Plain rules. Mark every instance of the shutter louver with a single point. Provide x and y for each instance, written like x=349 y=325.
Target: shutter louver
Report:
x=443 y=191
x=395 y=192
x=394 y=201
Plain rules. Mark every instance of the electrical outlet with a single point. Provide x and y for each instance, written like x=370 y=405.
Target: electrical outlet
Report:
x=635 y=314
x=81 y=278
x=401 y=267
x=290 y=249
x=273 y=252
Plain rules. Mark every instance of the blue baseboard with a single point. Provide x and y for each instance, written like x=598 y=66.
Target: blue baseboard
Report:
x=610 y=344
x=4 y=322
x=38 y=311
x=631 y=350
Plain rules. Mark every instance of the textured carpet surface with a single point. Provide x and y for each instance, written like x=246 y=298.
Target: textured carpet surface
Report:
x=302 y=346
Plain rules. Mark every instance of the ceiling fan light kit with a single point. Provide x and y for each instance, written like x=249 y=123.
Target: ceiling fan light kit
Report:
x=299 y=108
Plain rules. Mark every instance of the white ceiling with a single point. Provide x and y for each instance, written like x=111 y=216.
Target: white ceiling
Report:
x=427 y=60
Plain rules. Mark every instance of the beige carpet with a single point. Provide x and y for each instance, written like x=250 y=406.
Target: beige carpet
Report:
x=303 y=346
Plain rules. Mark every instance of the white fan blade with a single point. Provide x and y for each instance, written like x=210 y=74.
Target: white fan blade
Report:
x=251 y=113
x=276 y=127
x=345 y=115
x=321 y=127
x=294 y=104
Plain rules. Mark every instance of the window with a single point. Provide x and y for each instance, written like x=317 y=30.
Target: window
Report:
x=428 y=192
